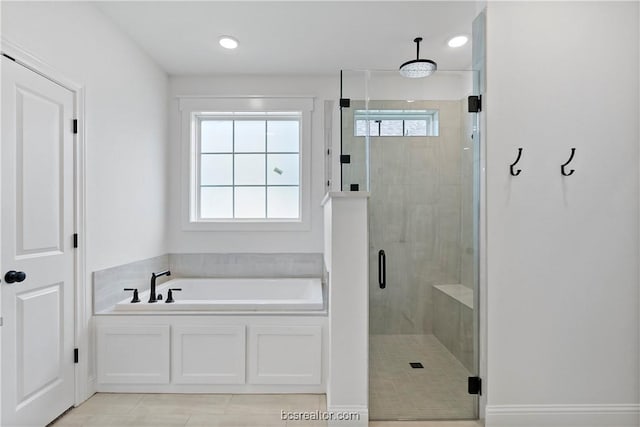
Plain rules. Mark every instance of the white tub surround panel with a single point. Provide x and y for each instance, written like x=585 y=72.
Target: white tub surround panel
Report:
x=285 y=354
x=197 y=357
x=346 y=258
x=224 y=335
x=147 y=354
x=212 y=354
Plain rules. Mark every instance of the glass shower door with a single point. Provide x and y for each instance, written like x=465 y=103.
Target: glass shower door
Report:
x=419 y=146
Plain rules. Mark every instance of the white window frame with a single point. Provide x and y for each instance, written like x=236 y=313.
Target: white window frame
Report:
x=190 y=109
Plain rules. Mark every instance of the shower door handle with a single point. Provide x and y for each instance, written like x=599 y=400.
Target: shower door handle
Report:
x=382 y=269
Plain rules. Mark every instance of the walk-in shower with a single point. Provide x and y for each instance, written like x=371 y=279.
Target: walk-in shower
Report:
x=413 y=144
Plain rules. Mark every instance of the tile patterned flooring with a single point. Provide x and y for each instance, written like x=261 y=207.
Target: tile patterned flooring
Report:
x=397 y=391
x=208 y=410
x=191 y=410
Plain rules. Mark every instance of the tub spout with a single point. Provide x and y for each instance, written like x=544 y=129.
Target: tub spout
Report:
x=153 y=297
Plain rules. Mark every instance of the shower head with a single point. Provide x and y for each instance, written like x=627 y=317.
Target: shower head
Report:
x=417 y=68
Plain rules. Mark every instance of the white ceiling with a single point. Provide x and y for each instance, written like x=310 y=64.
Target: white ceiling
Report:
x=294 y=37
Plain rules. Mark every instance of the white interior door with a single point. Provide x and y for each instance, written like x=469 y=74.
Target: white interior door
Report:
x=36 y=233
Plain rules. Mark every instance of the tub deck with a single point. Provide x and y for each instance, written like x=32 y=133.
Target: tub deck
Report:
x=224 y=294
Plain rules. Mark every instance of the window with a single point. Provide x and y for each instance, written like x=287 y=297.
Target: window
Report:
x=249 y=166
x=248 y=169
x=396 y=122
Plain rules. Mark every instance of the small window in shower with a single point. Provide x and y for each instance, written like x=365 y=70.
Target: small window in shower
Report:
x=396 y=122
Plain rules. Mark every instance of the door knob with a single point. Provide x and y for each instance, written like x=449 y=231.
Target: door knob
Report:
x=14 y=276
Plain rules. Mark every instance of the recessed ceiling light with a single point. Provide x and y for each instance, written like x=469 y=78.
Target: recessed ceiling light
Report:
x=458 y=41
x=228 y=42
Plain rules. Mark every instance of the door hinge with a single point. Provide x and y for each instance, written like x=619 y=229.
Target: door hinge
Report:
x=75 y=355
x=475 y=103
x=345 y=158
x=345 y=102
x=75 y=126
x=75 y=240
x=474 y=385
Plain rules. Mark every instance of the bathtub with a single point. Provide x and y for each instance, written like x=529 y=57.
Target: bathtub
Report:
x=232 y=294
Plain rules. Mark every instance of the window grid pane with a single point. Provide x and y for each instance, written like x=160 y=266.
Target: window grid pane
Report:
x=249 y=169
x=250 y=189
x=285 y=202
x=392 y=128
x=396 y=123
x=250 y=135
x=216 y=202
x=283 y=136
x=283 y=169
x=216 y=136
x=415 y=128
x=250 y=202
x=216 y=169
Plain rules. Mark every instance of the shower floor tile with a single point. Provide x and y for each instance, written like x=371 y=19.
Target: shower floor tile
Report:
x=399 y=392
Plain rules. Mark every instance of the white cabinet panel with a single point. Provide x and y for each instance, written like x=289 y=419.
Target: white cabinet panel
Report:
x=208 y=355
x=285 y=354
x=133 y=354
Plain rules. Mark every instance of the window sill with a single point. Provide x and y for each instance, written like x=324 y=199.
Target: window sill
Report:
x=249 y=225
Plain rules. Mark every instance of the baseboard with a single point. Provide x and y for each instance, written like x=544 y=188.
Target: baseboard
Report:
x=92 y=385
x=211 y=388
x=623 y=415
x=359 y=415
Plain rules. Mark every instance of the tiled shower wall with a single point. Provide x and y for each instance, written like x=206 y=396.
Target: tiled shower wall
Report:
x=415 y=215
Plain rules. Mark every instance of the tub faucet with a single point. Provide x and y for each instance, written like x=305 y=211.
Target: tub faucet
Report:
x=152 y=293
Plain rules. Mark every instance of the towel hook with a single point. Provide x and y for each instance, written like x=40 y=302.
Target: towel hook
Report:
x=516 y=173
x=573 y=152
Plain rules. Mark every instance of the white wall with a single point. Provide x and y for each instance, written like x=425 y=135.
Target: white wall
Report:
x=244 y=241
x=563 y=252
x=126 y=132
x=346 y=257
